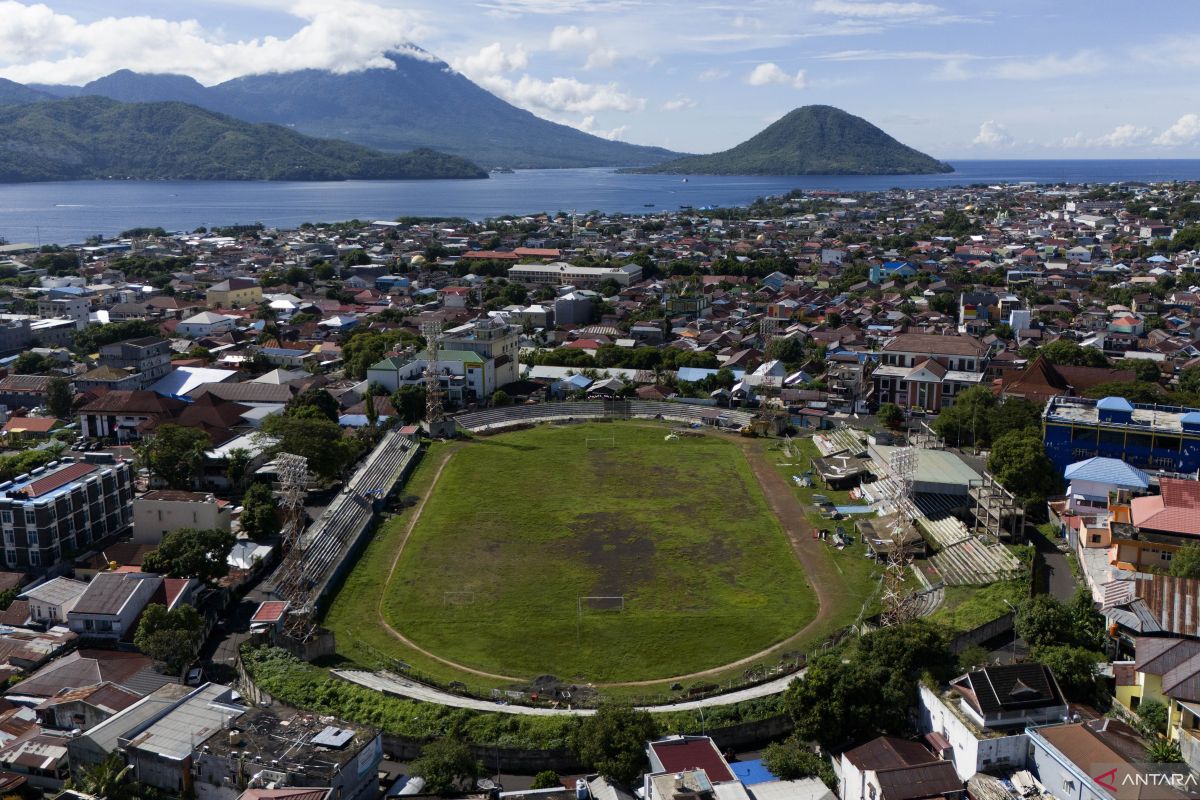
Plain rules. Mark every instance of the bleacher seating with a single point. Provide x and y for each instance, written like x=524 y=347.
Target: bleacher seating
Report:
x=507 y=416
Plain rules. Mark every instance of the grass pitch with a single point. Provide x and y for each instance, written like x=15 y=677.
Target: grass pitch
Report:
x=522 y=526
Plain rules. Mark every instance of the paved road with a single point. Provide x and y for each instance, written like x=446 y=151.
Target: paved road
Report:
x=400 y=686
x=1060 y=582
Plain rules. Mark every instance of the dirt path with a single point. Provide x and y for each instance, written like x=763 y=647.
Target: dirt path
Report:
x=408 y=529
x=818 y=568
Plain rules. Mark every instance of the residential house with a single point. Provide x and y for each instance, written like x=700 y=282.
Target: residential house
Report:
x=23 y=391
x=50 y=602
x=127 y=415
x=111 y=604
x=888 y=768
x=206 y=323
x=82 y=708
x=1095 y=760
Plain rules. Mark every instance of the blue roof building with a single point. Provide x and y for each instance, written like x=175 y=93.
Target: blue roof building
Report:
x=1143 y=436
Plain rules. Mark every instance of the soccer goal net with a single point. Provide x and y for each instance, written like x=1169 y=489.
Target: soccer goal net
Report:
x=596 y=442
x=585 y=603
x=464 y=598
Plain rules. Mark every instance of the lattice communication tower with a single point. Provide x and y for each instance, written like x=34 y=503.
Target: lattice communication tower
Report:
x=898 y=601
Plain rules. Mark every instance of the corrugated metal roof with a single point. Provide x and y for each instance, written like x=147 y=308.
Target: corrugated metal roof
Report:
x=58 y=479
x=1108 y=471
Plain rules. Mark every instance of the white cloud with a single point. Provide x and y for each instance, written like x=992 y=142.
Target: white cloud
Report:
x=1123 y=136
x=43 y=46
x=493 y=60
x=895 y=55
x=1084 y=62
x=771 y=74
x=843 y=8
x=1186 y=130
x=563 y=94
x=679 y=104
x=571 y=38
x=588 y=125
x=993 y=134
x=712 y=74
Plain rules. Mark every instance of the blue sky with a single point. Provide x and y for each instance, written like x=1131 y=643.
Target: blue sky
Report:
x=956 y=79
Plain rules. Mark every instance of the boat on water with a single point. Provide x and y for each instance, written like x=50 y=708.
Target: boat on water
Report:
x=647 y=205
x=684 y=180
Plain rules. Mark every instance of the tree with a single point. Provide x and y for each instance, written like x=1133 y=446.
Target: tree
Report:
x=260 y=512
x=1041 y=620
x=175 y=454
x=170 y=637
x=1075 y=668
x=1134 y=391
x=1145 y=370
x=969 y=419
x=501 y=398
x=1014 y=414
x=612 y=741
x=369 y=408
x=867 y=687
x=30 y=363
x=1189 y=379
x=314 y=398
x=191 y=553
x=789 y=350
x=59 y=398
x=791 y=759
x=109 y=779
x=1019 y=462
x=890 y=415
x=1066 y=353
x=1164 y=751
x=1152 y=716
x=317 y=439
x=237 y=463
x=409 y=402
x=546 y=779
x=446 y=765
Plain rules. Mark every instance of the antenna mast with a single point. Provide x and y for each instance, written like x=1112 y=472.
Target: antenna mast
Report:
x=293 y=480
x=434 y=410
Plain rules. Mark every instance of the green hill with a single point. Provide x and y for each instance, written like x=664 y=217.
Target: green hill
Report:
x=93 y=137
x=812 y=140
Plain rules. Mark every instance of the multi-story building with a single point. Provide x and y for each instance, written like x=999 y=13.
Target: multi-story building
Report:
x=926 y=371
x=157 y=512
x=62 y=508
x=474 y=361
x=1149 y=437
x=562 y=274
x=75 y=309
x=132 y=364
x=109 y=607
x=234 y=293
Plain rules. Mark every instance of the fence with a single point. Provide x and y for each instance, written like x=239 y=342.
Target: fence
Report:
x=508 y=416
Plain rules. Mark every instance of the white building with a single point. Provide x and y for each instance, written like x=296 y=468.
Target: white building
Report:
x=560 y=273
x=206 y=323
x=157 y=512
x=111 y=604
x=51 y=601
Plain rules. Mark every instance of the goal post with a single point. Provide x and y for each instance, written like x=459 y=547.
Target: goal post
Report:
x=460 y=598
x=599 y=603
x=598 y=442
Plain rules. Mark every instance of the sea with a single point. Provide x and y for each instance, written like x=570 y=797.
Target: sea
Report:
x=71 y=212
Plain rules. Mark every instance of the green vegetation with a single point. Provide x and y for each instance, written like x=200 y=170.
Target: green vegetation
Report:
x=867 y=686
x=447 y=766
x=1185 y=563
x=170 y=637
x=174 y=454
x=191 y=553
x=968 y=607
x=978 y=418
x=793 y=759
x=523 y=525
x=811 y=140
x=97 y=138
x=1067 y=638
x=260 y=512
x=1019 y=462
x=59 y=399
x=302 y=685
x=21 y=463
x=613 y=742
x=1066 y=353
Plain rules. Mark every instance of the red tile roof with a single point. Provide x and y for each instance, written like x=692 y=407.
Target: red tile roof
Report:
x=57 y=479
x=683 y=754
x=270 y=611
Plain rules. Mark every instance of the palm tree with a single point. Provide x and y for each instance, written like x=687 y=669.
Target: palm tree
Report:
x=107 y=779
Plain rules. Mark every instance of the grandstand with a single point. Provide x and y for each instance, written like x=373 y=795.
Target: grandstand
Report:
x=976 y=561
x=494 y=419
x=326 y=548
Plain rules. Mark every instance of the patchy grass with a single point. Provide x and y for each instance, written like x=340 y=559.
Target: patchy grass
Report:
x=968 y=607
x=522 y=525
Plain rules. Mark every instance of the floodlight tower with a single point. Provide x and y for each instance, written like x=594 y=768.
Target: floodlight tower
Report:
x=293 y=480
x=897 y=601
x=434 y=411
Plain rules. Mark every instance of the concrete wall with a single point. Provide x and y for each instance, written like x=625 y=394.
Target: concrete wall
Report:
x=154 y=518
x=971 y=754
